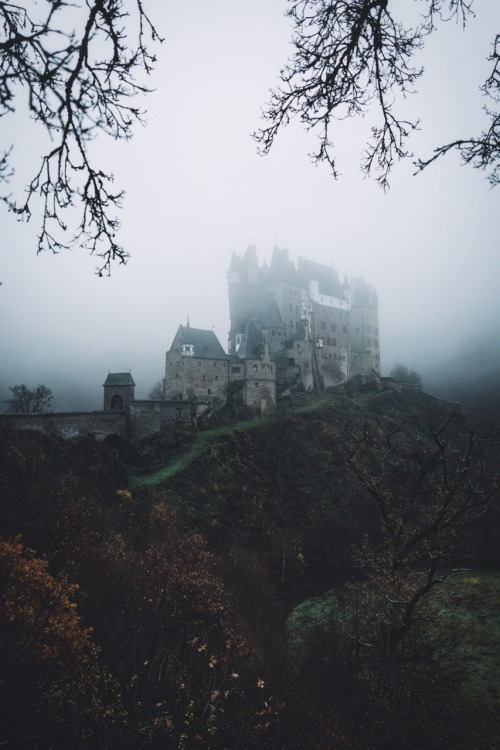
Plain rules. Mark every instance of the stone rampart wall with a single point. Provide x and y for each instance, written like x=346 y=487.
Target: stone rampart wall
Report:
x=194 y=377
x=68 y=425
x=148 y=417
x=142 y=418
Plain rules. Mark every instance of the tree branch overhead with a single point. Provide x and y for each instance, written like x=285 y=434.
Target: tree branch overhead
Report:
x=352 y=57
x=78 y=83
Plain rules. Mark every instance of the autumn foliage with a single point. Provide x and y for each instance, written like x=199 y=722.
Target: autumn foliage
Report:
x=268 y=595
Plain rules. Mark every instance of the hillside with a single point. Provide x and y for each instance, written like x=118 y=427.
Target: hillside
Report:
x=248 y=592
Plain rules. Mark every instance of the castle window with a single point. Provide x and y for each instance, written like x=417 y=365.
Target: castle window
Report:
x=255 y=368
x=235 y=369
x=208 y=391
x=256 y=385
x=187 y=350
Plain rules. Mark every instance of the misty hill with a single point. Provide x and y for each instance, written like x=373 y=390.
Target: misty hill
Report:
x=205 y=605
x=469 y=376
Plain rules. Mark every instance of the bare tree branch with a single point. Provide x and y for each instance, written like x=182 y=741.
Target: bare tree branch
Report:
x=353 y=57
x=77 y=85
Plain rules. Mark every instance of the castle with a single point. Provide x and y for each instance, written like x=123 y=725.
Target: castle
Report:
x=291 y=326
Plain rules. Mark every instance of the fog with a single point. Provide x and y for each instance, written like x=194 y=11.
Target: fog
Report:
x=197 y=190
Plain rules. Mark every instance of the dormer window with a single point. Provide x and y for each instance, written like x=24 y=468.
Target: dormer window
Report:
x=187 y=350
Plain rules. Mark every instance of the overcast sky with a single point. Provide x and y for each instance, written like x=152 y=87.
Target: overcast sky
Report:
x=197 y=190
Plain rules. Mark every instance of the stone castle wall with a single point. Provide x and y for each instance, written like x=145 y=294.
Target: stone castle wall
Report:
x=142 y=418
x=71 y=424
x=194 y=377
x=148 y=417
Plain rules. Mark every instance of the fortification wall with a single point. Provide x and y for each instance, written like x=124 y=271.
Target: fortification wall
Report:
x=299 y=355
x=193 y=377
x=142 y=418
x=71 y=424
x=148 y=417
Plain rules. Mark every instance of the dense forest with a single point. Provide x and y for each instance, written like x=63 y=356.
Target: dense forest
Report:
x=325 y=578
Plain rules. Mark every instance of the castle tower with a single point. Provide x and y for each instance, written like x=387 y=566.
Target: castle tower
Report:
x=196 y=366
x=118 y=391
x=364 y=328
x=259 y=369
x=245 y=287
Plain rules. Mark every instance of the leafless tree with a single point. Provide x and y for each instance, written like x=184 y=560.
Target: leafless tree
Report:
x=352 y=56
x=27 y=401
x=426 y=496
x=157 y=392
x=77 y=83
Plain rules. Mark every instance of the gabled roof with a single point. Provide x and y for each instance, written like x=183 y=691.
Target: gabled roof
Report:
x=119 y=378
x=206 y=344
x=327 y=278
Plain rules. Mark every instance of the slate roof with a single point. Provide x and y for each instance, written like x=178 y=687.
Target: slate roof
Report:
x=266 y=310
x=206 y=344
x=251 y=346
x=235 y=265
x=282 y=268
x=327 y=278
x=119 y=378
x=362 y=293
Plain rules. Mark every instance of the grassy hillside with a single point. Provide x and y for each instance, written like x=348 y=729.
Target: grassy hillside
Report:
x=240 y=595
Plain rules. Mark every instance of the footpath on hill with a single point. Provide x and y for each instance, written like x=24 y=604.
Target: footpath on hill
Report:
x=301 y=403
x=298 y=404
